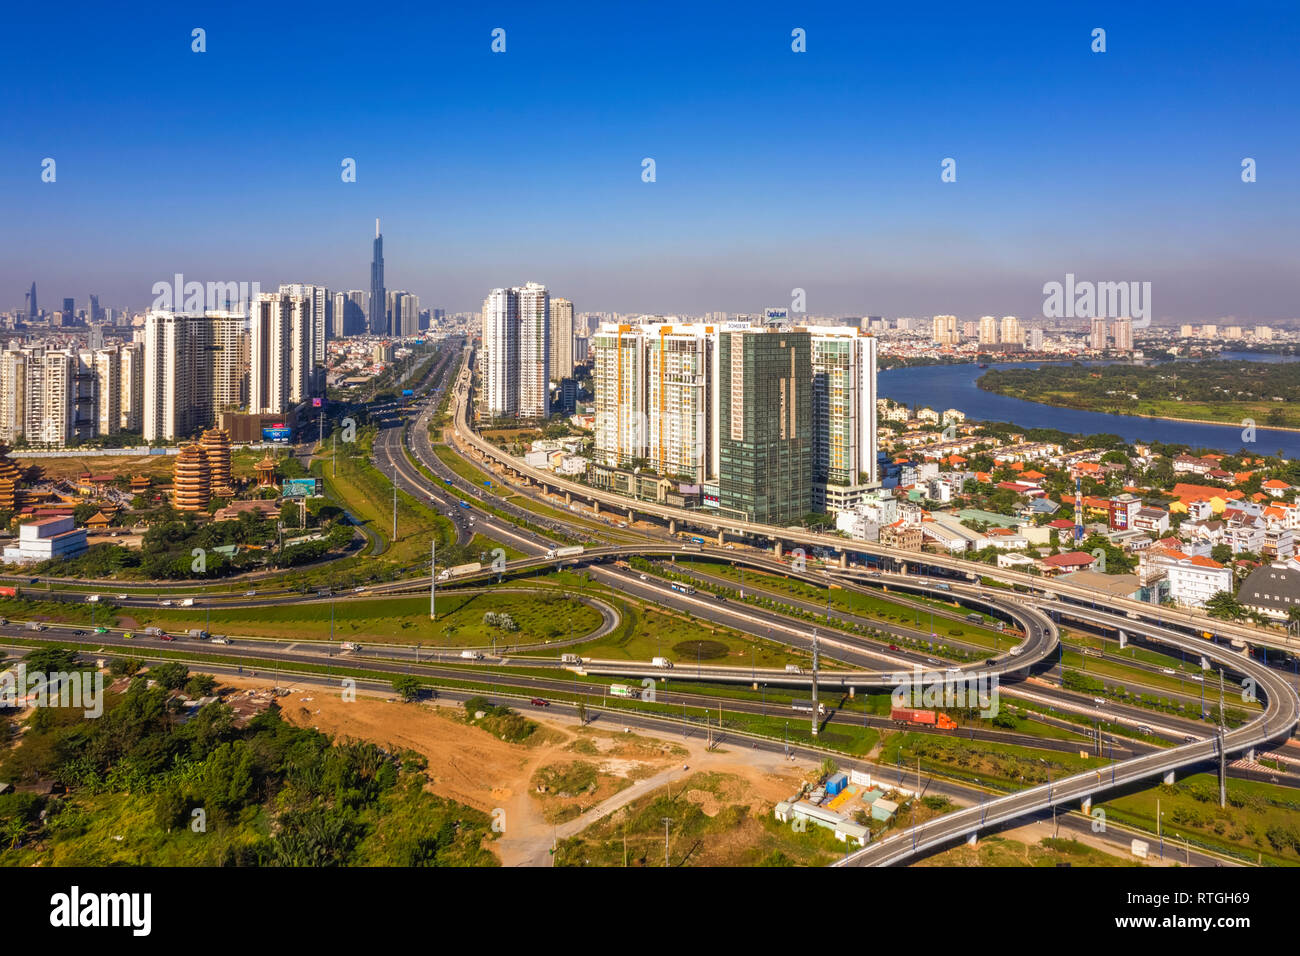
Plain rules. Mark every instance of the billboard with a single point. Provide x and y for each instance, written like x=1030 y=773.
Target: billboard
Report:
x=300 y=487
x=279 y=434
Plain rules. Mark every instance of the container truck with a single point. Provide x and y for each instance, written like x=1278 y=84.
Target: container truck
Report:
x=621 y=690
x=570 y=659
x=188 y=602
x=565 y=552
x=152 y=631
x=1016 y=651
x=471 y=655
x=793 y=669
x=661 y=662
x=921 y=718
x=198 y=633
x=806 y=707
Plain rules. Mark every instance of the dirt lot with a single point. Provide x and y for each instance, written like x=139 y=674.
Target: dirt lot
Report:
x=473 y=767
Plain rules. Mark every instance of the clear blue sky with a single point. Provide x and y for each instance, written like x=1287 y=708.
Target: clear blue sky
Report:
x=774 y=169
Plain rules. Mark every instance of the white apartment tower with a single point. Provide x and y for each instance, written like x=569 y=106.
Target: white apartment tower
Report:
x=534 y=351
x=194 y=366
x=500 y=370
x=844 y=416
x=561 y=338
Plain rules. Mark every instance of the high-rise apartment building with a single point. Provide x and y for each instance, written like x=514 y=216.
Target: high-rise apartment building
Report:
x=1097 y=338
x=319 y=318
x=1121 y=332
x=945 y=331
x=13 y=392
x=619 y=382
x=131 y=373
x=561 y=338
x=280 y=352
x=404 y=308
x=988 y=330
x=500 y=368
x=534 y=350
x=108 y=390
x=1010 y=331
x=763 y=427
x=844 y=416
x=194 y=366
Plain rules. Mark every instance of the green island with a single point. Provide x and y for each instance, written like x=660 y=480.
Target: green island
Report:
x=1224 y=392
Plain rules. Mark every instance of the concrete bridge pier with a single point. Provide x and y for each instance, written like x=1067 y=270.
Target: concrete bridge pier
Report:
x=1250 y=754
x=1169 y=778
x=972 y=838
x=844 y=559
x=1123 y=640
x=595 y=507
x=568 y=497
x=722 y=539
x=631 y=515
x=1086 y=806
x=672 y=525
x=776 y=549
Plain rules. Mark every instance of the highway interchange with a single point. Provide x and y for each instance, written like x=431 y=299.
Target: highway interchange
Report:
x=855 y=661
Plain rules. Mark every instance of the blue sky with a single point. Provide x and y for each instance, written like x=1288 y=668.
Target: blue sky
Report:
x=774 y=169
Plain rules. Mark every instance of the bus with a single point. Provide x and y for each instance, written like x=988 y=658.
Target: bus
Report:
x=683 y=588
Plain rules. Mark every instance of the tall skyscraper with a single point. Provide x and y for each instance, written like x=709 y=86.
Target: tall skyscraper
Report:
x=763 y=425
x=561 y=338
x=33 y=310
x=844 y=416
x=108 y=390
x=280 y=352
x=194 y=366
x=318 y=318
x=534 y=350
x=378 y=301
x=679 y=380
x=501 y=354
x=619 y=382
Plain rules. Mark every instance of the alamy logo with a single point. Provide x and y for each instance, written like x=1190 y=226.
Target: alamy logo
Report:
x=933 y=689
x=1098 y=300
x=73 y=909
x=182 y=296
x=79 y=689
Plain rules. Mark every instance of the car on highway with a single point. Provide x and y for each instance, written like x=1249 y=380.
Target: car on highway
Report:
x=1099 y=701
x=165 y=637
x=166 y=602
x=127 y=635
x=101 y=630
x=893 y=647
x=731 y=547
x=1166 y=670
x=538 y=702
x=644 y=578
x=358 y=589
x=249 y=593
x=931 y=660
x=121 y=597
x=990 y=660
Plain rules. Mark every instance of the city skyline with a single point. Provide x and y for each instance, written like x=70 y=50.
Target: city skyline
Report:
x=780 y=170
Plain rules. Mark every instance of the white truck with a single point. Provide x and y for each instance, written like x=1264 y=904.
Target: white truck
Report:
x=570 y=659
x=471 y=655
x=218 y=639
x=793 y=669
x=565 y=552
x=188 y=602
x=92 y=599
x=663 y=662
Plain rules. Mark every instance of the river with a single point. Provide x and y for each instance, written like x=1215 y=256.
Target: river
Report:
x=953 y=386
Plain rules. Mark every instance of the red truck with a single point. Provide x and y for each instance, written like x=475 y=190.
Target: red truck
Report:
x=8 y=592
x=921 y=718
